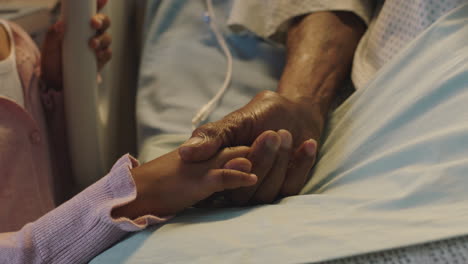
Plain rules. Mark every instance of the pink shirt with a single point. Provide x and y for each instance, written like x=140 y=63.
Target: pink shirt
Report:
x=35 y=178
x=26 y=190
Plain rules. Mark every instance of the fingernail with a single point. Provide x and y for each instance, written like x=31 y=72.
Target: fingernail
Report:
x=193 y=142
x=253 y=177
x=273 y=143
x=286 y=139
x=310 y=147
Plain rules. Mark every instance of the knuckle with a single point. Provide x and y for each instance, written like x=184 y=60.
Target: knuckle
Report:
x=221 y=130
x=267 y=94
x=238 y=125
x=206 y=130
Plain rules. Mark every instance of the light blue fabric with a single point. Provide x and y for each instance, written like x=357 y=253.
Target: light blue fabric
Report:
x=183 y=67
x=393 y=171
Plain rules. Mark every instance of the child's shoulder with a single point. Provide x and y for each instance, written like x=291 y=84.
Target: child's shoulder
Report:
x=23 y=42
x=27 y=54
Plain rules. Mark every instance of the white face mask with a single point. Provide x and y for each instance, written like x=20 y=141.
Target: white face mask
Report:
x=10 y=84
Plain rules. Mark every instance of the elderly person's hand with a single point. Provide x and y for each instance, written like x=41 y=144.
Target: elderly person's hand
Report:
x=286 y=164
x=318 y=62
x=52 y=48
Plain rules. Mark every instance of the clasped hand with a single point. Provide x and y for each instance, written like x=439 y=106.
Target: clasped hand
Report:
x=283 y=167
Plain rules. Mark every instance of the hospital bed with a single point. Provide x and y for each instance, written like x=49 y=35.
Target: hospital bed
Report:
x=100 y=114
x=398 y=184
x=112 y=133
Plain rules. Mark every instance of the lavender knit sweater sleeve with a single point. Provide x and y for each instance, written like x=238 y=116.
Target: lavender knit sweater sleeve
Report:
x=81 y=228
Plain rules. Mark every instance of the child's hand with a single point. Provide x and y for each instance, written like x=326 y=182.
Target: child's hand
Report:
x=52 y=48
x=168 y=185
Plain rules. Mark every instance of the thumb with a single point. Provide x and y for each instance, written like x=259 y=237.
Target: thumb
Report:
x=205 y=142
x=199 y=148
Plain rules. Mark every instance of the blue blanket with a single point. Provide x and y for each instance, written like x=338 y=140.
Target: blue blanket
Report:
x=393 y=171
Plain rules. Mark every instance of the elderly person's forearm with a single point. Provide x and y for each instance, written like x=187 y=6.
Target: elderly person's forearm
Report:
x=320 y=49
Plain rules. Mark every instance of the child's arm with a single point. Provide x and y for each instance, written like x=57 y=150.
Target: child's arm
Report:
x=178 y=184
x=82 y=227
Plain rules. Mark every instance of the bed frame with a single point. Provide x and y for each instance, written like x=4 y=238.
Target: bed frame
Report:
x=100 y=117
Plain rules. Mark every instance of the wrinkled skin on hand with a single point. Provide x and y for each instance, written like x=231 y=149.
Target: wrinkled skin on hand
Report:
x=318 y=62
x=282 y=169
